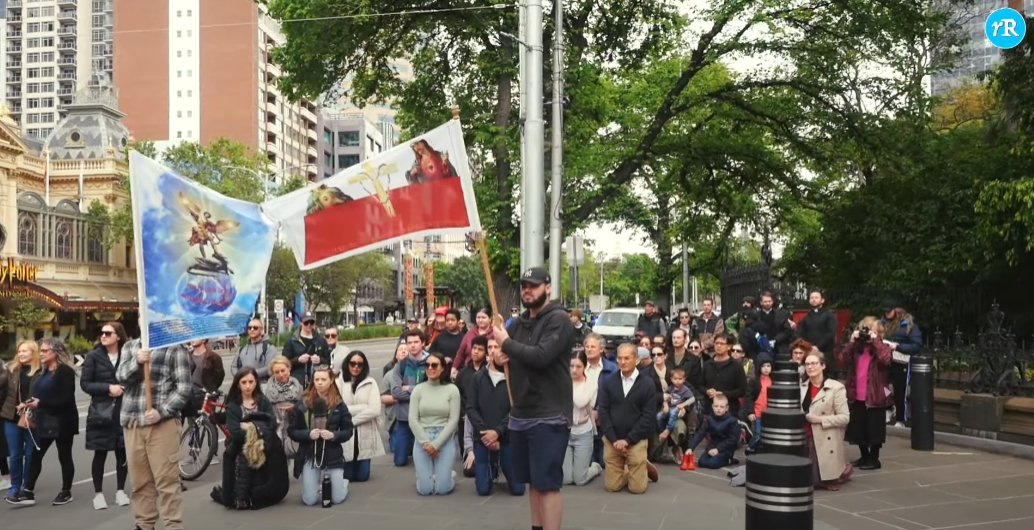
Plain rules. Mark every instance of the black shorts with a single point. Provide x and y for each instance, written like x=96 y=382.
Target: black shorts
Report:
x=538 y=456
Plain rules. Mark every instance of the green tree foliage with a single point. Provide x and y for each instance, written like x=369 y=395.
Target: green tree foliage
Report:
x=283 y=279
x=466 y=275
x=23 y=315
x=661 y=131
x=344 y=281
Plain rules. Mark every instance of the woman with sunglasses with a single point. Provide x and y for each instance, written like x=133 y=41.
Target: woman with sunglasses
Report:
x=338 y=351
x=57 y=419
x=23 y=372
x=103 y=431
x=434 y=415
x=362 y=396
x=306 y=350
x=321 y=426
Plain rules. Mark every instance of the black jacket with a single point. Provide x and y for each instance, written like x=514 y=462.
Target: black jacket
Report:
x=693 y=365
x=819 y=328
x=57 y=398
x=331 y=452
x=235 y=415
x=98 y=374
x=540 y=364
x=652 y=326
x=488 y=406
x=295 y=348
x=262 y=487
x=722 y=433
x=777 y=327
x=446 y=344
x=728 y=378
x=465 y=379
x=632 y=417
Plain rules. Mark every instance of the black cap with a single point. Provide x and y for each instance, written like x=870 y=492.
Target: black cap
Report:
x=308 y=316
x=536 y=276
x=889 y=303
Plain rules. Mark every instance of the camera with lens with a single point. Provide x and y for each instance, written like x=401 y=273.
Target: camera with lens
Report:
x=864 y=336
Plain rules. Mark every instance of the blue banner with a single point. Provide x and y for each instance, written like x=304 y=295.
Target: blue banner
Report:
x=201 y=257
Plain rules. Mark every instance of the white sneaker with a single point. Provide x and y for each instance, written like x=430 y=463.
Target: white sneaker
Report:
x=5 y=484
x=215 y=461
x=99 y=502
x=121 y=498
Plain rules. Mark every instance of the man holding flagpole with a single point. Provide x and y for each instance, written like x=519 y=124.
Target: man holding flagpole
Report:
x=537 y=347
x=157 y=386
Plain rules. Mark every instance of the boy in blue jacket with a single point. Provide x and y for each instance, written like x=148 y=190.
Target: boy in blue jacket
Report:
x=723 y=434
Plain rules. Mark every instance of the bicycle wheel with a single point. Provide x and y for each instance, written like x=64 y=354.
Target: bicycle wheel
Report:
x=197 y=448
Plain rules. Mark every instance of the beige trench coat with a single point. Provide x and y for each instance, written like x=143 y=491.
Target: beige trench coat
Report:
x=365 y=407
x=830 y=405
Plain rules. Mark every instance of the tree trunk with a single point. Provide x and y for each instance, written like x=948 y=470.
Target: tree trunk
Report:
x=665 y=263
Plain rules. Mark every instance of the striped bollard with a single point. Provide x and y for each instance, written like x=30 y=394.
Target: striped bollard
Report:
x=779 y=492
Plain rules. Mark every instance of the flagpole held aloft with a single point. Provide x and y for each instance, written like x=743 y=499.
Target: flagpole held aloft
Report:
x=497 y=319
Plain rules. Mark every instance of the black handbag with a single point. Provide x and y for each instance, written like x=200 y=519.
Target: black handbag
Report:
x=101 y=414
x=48 y=426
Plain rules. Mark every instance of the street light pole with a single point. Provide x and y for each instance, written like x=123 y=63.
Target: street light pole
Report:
x=534 y=129
x=556 y=228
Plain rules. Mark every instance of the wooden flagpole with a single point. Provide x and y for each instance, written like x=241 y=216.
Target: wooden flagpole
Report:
x=496 y=317
x=147 y=386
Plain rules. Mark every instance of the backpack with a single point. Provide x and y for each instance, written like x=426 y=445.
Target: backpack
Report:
x=262 y=356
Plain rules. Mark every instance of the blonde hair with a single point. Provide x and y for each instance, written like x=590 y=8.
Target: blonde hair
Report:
x=34 y=362
x=719 y=399
x=867 y=323
x=816 y=354
x=280 y=359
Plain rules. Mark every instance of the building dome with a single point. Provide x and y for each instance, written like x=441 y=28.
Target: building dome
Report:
x=91 y=129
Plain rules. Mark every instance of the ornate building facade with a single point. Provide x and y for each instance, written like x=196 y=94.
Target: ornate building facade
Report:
x=52 y=256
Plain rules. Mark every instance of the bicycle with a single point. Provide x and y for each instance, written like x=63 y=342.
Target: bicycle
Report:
x=198 y=442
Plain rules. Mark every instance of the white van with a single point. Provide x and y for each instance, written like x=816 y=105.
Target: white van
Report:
x=618 y=325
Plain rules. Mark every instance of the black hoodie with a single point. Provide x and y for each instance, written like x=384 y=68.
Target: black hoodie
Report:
x=540 y=364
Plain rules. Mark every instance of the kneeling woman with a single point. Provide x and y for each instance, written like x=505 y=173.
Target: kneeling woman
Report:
x=321 y=425
x=827 y=414
x=255 y=467
x=434 y=414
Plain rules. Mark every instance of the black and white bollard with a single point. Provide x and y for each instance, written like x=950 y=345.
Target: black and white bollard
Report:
x=782 y=425
x=779 y=492
x=921 y=401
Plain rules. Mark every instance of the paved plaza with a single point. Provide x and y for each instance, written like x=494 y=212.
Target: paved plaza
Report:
x=952 y=487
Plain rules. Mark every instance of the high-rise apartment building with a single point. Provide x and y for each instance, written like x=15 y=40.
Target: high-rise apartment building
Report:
x=350 y=138
x=53 y=48
x=198 y=70
x=978 y=55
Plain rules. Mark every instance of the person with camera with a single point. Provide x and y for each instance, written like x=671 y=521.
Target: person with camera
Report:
x=23 y=372
x=867 y=359
x=103 y=432
x=321 y=426
x=57 y=419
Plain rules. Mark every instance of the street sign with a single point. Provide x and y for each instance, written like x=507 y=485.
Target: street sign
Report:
x=278 y=306
x=262 y=311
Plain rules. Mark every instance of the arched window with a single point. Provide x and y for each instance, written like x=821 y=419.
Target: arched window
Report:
x=95 y=252
x=63 y=240
x=27 y=234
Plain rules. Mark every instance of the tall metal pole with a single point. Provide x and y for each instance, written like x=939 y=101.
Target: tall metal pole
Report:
x=556 y=229
x=522 y=97
x=685 y=275
x=534 y=130
x=262 y=296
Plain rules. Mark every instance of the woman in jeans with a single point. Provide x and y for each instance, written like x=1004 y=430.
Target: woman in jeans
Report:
x=53 y=401
x=579 y=469
x=22 y=374
x=434 y=415
x=104 y=434
x=363 y=399
x=321 y=436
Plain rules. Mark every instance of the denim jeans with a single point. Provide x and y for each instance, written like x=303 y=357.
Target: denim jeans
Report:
x=357 y=471
x=312 y=484
x=434 y=475
x=718 y=461
x=579 y=467
x=402 y=443
x=668 y=420
x=485 y=460
x=22 y=451
x=755 y=440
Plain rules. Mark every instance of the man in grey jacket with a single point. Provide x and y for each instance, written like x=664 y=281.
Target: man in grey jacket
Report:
x=257 y=353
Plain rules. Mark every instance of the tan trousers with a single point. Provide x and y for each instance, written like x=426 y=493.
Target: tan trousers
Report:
x=616 y=477
x=152 y=453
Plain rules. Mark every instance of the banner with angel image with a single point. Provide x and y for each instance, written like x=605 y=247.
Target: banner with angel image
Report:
x=201 y=257
x=418 y=188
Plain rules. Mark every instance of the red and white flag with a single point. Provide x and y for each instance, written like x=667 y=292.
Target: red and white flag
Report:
x=418 y=188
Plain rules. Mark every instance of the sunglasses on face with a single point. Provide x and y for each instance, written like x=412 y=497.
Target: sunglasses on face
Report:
x=434 y=366
x=661 y=354
x=107 y=333
x=253 y=328
x=738 y=349
x=357 y=364
x=694 y=347
x=309 y=323
x=331 y=335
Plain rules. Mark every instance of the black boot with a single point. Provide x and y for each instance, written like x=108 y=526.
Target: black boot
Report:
x=864 y=459
x=874 y=459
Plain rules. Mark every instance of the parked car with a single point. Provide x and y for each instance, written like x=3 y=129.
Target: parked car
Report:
x=617 y=325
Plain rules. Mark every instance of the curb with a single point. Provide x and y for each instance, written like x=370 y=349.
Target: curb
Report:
x=367 y=341
x=987 y=445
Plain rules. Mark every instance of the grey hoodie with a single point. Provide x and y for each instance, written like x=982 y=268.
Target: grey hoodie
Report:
x=257 y=355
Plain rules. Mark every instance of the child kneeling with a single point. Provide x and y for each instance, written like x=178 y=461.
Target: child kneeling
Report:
x=723 y=433
x=321 y=425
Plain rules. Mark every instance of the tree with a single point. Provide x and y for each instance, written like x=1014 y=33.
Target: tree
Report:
x=466 y=275
x=370 y=274
x=645 y=89
x=23 y=315
x=327 y=285
x=283 y=278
